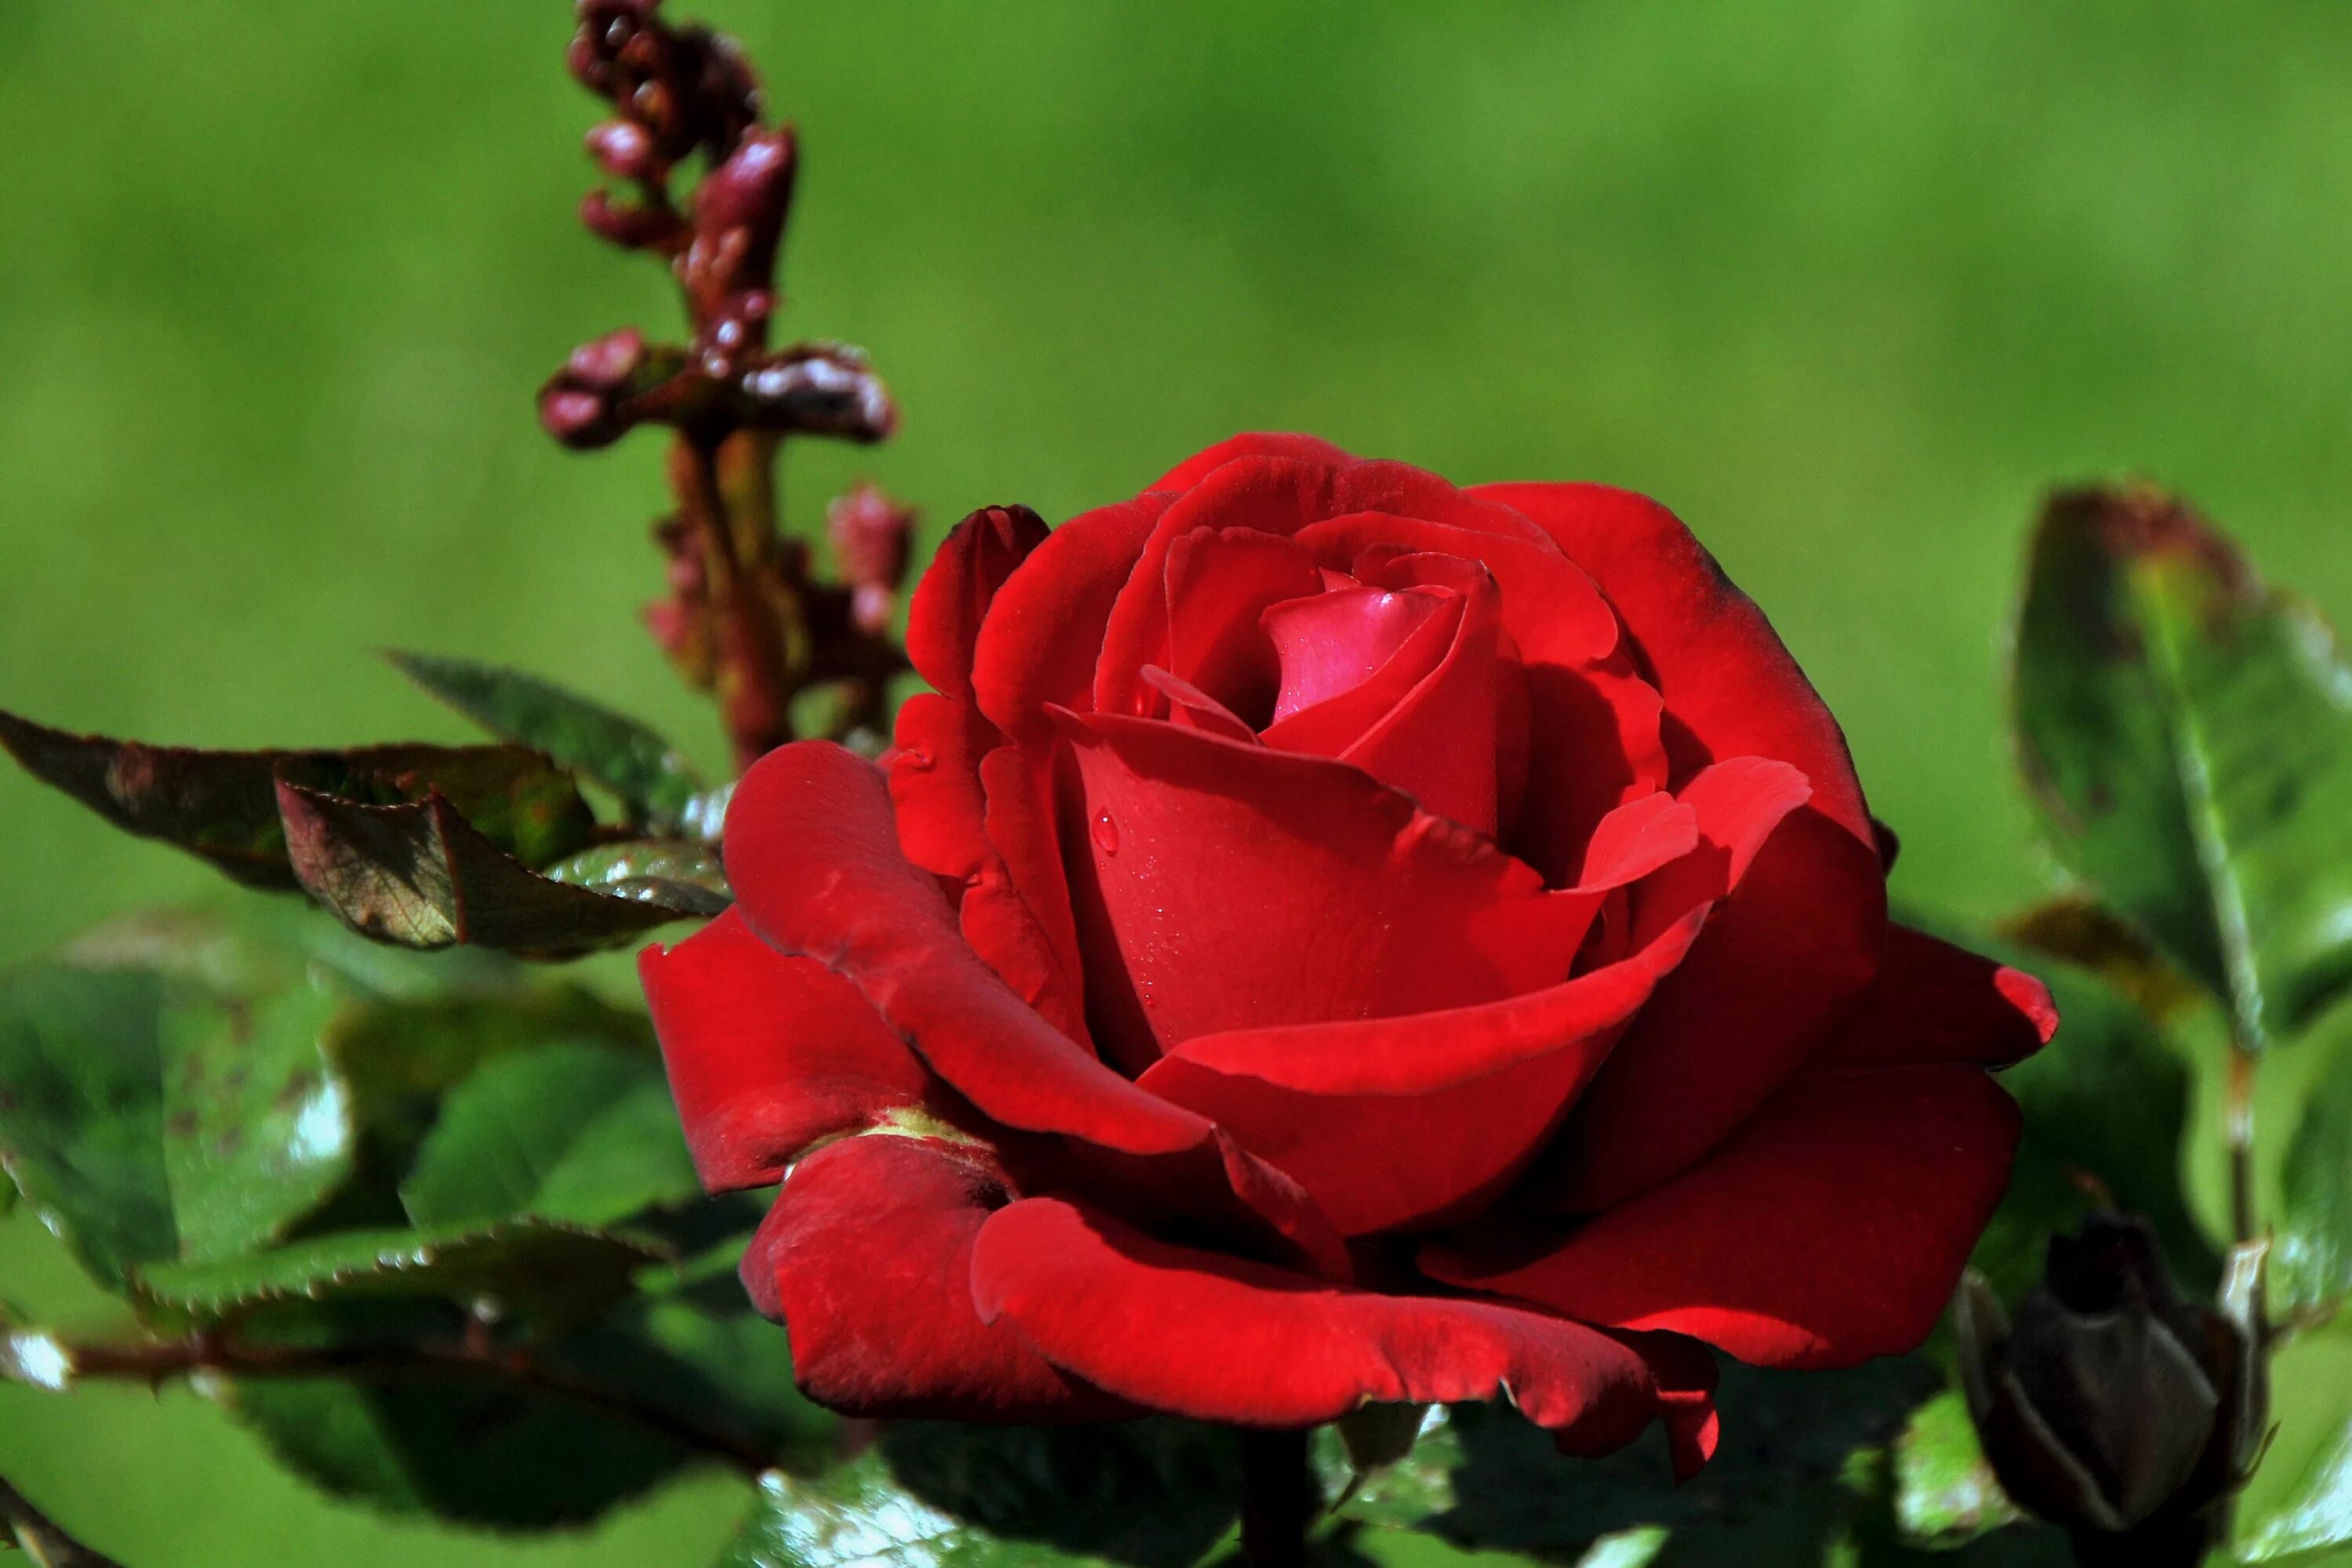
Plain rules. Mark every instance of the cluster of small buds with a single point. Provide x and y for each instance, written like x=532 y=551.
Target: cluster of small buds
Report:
x=742 y=613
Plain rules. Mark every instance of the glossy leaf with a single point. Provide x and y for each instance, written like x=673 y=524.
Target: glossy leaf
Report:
x=258 y=1126
x=853 y=1517
x=667 y=871
x=540 y=1267
x=2189 y=737
x=81 y=1111
x=654 y=783
x=1944 y=1492
x=572 y=1133
x=419 y=875
x=223 y=805
x=2311 y=1259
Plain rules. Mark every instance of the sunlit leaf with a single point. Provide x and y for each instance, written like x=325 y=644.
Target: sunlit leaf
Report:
x=419 y=875
x=2311 y=1259
x=2189 y=737
x=656 y=785
x=856 y=1516
x=667 y=871
x=224 y=807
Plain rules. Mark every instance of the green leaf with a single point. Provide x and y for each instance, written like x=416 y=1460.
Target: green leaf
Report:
x=2189 y=737
x=419 y=875
x=223 y=805
x=1945 y=1490
x=81 y=1111
x=1155 y=1493
x=669 y=871
x=2311 y=1259
x=556 y=1448
x=654 y=783
x=542 y=1267
x=258 y=1126
x=2300 y=1497
x=2105 y=1109
x=853 y=1517
x=577 y=1132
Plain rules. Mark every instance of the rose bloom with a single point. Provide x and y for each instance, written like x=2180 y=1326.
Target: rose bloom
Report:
x=1330 y=937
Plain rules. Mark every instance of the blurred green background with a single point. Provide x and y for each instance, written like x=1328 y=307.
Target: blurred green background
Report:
x=1846 y=284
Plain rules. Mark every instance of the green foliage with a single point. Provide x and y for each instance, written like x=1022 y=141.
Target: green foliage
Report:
x=571 y=1132
x=2190 y=742
x=666 y=871
x=855 y=1516
x=2311 y=1257
x=656 y=785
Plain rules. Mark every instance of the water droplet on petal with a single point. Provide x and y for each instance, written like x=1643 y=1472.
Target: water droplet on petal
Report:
x=1106 y=833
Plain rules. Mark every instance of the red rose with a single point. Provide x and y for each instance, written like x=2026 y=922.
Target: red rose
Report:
x=1329 y=936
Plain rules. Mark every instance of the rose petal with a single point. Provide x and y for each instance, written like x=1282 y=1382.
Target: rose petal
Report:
x=815 y=865
x=1731 y=686
x=943 y=619
x=1397 y=1123
x=1780 y=961
x=1932 y=1002
x=866 y=1257
x=1829 y=1230
x=1220 y=583
x=1330 y=643
x=1045 y=628
x=1218 y=1339
x=767 y=1054
x=934 y=767
x=1251 y=444
x=1231 y=887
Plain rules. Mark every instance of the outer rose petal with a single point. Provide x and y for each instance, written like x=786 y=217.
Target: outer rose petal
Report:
x=1933 y=1001
x=1727 y=680
x=767 y=1054
x=1045 y=629
x=1218 y=1339
x=1829 y=1230
x=1400 y=1122
x=944 y=617
x=866 y=1256
x=815 y=864
x=1251 y=444
x=935 y=784
x=1231 y=887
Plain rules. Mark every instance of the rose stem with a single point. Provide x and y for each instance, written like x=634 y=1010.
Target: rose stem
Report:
x=754 y=690
x=1277 y=1499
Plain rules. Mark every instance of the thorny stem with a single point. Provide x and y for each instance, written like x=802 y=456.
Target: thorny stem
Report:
x=1278 y=1500
x=424 y=1361
x=38 y=1537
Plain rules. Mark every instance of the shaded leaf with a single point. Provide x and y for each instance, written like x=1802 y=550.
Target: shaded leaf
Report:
x=666 y=871
x=2189 y=737
x=81 y=1111
x=420 y=876
x=543 y=1267
x=533 y=1455
x=224 y=807
x=576 y=1132
x=1155 y=1493
x=2311 y=1259
x=656 y=785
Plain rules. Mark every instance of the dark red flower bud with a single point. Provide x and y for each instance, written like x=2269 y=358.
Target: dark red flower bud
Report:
x=623 y=150
x=872 y=536
x=2110 y=1405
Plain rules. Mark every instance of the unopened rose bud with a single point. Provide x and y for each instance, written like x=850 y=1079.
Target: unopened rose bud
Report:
x=2109 y=1405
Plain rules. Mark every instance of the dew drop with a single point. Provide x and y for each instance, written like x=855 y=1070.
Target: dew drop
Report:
x=1106 y=833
